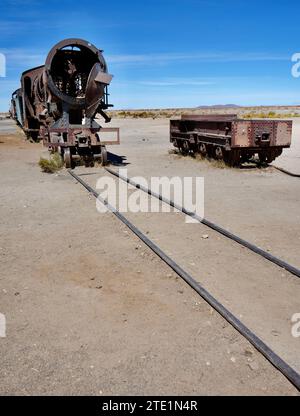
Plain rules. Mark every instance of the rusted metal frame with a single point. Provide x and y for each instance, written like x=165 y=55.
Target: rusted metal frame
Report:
x=72 y=134
x=209 y=117
x=110 y=130
x=201 y=134
x=220 y=141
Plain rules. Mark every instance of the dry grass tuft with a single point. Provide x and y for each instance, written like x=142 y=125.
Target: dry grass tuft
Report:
x=51 y=165
x=219 y=164
x=270 y=114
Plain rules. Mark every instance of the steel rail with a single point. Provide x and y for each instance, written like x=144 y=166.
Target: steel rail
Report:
x=268 y=256
x=290 y=373
x=294 y=175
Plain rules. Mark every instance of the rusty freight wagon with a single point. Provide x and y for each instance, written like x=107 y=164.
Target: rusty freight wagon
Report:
x=229 y=138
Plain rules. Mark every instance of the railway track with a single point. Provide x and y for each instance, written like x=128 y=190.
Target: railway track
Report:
x=265 y=254
x=294 y=175
x=291 y=374
x=287 y=172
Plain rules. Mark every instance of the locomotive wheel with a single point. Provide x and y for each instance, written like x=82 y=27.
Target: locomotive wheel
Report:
x=103 y=156
x=60 y=150
x=33 y=136
x=68 y=158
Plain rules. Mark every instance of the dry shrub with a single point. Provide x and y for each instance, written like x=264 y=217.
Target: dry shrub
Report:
x=53 y=164
x=270 y=114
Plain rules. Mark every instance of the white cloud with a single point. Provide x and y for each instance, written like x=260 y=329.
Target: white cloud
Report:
x=23 y=59
x=194 y=56
x=172 y=82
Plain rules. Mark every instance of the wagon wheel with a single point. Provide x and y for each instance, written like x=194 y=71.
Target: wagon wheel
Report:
x=232 y=157
x=271 y=155
x=185 y=148
x=219 y=153
x=203 y=149
x=266 y=157
x=103 y=156
x=68 y=158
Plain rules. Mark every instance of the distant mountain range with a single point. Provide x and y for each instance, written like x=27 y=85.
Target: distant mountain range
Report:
x=220 y=106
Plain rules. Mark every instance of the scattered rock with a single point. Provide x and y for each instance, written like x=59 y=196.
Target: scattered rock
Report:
x=99 y=287
x=205 y=236
x=248 y=352
x=233 y=359
x=254 y=366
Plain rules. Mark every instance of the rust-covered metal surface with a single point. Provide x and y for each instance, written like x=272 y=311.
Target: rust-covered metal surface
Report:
x=209 y=117
x=58 y=101
x=228 y=137
x=255 y=133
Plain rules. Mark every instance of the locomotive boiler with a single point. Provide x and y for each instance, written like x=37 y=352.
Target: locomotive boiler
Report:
x=58 y=102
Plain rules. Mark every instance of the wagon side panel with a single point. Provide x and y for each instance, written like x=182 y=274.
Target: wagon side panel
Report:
x=241 y=134
x=283 y=133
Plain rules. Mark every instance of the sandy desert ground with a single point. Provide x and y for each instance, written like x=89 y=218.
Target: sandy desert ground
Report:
x=91 y=310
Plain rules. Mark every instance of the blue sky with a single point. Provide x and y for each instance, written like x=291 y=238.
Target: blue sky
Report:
x=165 y=53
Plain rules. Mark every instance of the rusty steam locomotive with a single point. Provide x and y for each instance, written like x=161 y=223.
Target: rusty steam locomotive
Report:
x=58 y=102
